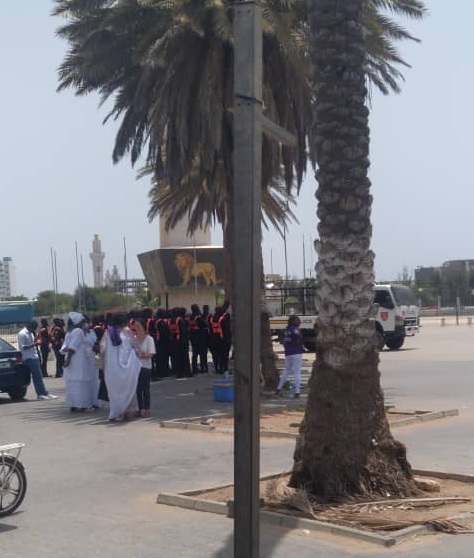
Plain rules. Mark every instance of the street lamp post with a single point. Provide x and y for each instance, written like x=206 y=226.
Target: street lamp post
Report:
x=247 y=273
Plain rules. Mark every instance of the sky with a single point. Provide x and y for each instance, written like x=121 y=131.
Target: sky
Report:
x=59 y=186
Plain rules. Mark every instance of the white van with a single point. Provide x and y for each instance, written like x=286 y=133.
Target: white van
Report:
x=397 y=314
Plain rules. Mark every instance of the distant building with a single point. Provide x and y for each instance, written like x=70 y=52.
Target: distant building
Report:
x=6 y=278
x=458 y=265
x=129 y=286
x=111 y=279
x=428 y=275
x=97 y=257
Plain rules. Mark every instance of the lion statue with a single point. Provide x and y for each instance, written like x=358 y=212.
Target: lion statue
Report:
x=188 y=267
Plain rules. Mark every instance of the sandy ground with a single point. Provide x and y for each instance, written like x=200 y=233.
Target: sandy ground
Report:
x=383 y=515
x=286 y=421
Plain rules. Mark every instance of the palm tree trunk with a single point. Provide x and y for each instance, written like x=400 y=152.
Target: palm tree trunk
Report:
x=345 y=444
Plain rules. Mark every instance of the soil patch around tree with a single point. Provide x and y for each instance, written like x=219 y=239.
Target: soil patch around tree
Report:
x=289 y=420
x=451 y=509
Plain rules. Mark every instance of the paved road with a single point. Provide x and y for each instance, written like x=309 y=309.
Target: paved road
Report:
x=92 y=485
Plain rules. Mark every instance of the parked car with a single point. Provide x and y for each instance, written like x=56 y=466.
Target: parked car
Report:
x=15 y=377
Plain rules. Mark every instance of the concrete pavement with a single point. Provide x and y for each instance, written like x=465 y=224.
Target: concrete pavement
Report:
x=93 y=485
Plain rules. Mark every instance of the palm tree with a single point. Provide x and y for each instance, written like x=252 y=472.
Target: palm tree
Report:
x=168 y=65
x=345 y=445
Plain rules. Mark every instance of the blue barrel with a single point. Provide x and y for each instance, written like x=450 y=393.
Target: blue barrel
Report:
x=224 y=390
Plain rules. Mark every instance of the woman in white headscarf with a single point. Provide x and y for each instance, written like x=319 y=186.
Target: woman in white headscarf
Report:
x=121 y=368
x=78 y=353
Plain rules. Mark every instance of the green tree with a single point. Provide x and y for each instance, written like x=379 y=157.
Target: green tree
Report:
x=93 y=300
x=142 y=298
x=406 y=277
x=17 y=297
x=345 y=445
x=49 y=303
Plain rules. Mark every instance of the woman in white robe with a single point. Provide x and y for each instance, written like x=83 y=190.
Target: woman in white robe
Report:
x=79 y=385
x=121 y=369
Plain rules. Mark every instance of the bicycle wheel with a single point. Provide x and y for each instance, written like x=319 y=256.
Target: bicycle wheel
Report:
x=12 y=484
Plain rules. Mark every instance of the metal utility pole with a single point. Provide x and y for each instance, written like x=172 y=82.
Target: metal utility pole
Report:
x=286 y=257
x=125 y=267
x=79 y=297
x=84 y=297
x=247 y=272
x=304 y=261
x=55 y=287
x=195 y=275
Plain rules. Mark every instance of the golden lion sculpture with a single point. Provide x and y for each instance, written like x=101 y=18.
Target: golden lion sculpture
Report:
x=188 y=268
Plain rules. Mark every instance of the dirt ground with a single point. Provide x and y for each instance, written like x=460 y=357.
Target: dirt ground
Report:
x=286 y=421
x=381 y=515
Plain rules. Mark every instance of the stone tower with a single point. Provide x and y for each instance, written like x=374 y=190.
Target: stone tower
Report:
x=97 y=257
x=178 y=237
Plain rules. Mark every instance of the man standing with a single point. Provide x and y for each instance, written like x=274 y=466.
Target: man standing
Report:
x=162 y=343
x=193 y=329
x=44 y=340
x=57 y=339
x=27 y=345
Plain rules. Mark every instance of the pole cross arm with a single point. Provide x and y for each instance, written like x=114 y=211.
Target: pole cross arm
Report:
x=277 y=132
x=271 y=128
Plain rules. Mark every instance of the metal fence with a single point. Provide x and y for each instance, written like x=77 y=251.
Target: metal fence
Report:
x=10 y=334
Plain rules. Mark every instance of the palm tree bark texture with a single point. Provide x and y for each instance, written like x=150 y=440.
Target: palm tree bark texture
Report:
x=345 y=445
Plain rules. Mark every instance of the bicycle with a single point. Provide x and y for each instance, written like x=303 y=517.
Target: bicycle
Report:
x=12 y=478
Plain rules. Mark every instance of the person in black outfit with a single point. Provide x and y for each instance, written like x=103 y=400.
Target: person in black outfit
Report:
x=44 y=340
x=184 y=343
x=227 y=334
x=206 y=333
x=203 y=341
x=174 y=328
x=162 y=344
x=99 y=326
x=57 y=334
x=146 y=315
x=193 y=327
x=216 y=340
x=179 y=343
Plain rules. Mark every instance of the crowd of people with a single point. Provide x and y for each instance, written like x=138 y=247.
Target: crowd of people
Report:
x=115 y=357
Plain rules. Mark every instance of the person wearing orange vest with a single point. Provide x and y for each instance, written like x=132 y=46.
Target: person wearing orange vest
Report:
x=193 y=328
x=162 y=343
x=198 y=335
x=179 y=345
x=146 y=315
x=44 y=341
x=217 y=340
x=56 y=335
x=99 y=326
x=205 y=334
x=227 y=331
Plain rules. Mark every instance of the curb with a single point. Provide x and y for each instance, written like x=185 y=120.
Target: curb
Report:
x=443 y=475
x=425 y=417
x=186 y=424
x=188 y=500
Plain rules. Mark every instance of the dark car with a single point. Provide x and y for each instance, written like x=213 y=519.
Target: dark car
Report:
x=15 y=377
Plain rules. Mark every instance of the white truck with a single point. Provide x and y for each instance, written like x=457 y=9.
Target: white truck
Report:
x=397 y=317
